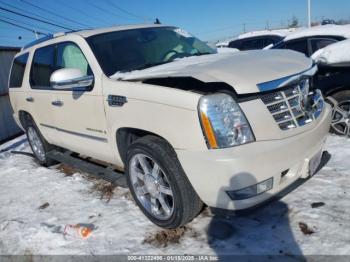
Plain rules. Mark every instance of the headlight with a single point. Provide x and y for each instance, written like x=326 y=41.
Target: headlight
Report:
x=223 y=122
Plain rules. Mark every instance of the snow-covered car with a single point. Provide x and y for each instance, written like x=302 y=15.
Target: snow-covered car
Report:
x=329 y=47
x=256 y=40
x=187 y=125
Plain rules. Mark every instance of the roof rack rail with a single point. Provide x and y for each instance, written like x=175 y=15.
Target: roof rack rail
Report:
x=38 y=41
x=51 y=36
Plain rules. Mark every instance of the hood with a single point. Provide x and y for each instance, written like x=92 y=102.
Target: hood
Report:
x=244 y=71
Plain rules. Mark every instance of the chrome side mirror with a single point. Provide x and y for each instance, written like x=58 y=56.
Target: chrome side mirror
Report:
x=69 y=78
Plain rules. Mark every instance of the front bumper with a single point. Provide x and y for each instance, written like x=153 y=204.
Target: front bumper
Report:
x=213 y=172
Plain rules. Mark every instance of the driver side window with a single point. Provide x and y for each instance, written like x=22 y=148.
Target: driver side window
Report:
x=69 y=55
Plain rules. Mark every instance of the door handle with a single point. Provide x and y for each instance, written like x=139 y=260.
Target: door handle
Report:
x=57 y=103
x=30 y=99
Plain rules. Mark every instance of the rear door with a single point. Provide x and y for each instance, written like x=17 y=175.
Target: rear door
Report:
x=40 y=94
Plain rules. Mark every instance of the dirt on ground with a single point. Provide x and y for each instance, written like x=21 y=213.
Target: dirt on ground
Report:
x=163 y=238
x=104 y=189
x=67 y=170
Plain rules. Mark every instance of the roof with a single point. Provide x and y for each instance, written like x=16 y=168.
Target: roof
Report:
x=90 y=32
x=329 y=30
x=276 y=32
x=87 y=33
x=10 y=48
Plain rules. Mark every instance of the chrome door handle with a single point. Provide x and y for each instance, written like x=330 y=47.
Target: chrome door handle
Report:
x=57 y=103
x=30 y=99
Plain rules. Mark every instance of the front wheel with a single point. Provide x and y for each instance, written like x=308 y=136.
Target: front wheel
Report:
x=341 y=113
x=159 y=185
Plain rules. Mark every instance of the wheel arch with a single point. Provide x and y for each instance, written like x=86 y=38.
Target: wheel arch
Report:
x=337 y=90
x=24 y=118
x=125 y=136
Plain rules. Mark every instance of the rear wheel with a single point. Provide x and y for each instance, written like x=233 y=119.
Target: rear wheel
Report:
x=38 y=144
x=341 y=113
x=159 y=184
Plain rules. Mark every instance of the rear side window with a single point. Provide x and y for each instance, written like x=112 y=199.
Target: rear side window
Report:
x=299 y=46
x=319 y=43
x=235 y=44
x=17 y=72
x=42 y=67
x=252 y=44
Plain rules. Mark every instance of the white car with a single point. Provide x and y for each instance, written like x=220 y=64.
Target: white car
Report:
x=187 y=125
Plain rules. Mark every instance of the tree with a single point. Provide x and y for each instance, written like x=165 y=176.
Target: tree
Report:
x=294 y=22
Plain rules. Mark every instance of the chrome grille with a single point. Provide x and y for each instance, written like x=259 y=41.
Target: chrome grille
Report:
x=294 y=106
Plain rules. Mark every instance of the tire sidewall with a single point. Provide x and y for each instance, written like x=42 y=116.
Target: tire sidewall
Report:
x=176 y=218
x=340 y=97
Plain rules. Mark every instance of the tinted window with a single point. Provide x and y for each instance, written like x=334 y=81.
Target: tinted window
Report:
x=17 y=72
x=272 y=40
x=252 y=44
x=137 y=49
x=42 y=67
x=319 y=43
x=299 y=46
x=235 y=44
x=69 y=55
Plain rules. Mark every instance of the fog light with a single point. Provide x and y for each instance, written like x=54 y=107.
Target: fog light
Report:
x=251 y=191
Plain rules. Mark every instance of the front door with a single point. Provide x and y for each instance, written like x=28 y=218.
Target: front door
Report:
x=79 y=114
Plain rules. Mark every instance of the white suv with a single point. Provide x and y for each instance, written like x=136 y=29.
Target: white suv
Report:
x=187 y=125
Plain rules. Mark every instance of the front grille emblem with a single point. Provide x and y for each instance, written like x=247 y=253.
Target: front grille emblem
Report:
x=294 y=106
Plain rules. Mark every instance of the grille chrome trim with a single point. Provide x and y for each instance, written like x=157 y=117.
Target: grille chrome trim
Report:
x=294 y=106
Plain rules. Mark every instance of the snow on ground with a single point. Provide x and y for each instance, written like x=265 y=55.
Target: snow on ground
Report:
x=121 y=228
x=334 y=54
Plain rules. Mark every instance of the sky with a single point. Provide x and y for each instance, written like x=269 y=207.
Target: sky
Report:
x=209 y=20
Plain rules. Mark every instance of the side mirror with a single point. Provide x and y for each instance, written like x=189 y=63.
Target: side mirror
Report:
x=69 y=78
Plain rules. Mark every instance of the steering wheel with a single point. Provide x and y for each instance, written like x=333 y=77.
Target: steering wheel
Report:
x=175 y=55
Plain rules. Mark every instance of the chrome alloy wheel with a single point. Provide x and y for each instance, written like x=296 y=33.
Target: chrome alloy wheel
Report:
x=36 y=144
x=151 y=186
x=341 y=118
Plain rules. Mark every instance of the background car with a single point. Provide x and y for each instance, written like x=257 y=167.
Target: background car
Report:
x=333 y=79
x=256 y=40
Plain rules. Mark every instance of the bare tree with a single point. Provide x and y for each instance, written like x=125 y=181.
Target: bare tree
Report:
x=294 y=22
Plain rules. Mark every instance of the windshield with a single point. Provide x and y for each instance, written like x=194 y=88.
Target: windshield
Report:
x=136 y=49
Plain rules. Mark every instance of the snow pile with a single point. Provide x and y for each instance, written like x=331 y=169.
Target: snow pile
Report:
x=36 y=203
x=334 y=54
x=324 y=30
x=277 y=32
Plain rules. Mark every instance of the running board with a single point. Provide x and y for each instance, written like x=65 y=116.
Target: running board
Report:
x=107 y=173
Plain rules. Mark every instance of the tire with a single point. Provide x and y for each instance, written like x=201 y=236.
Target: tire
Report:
x=38 y=144
x=183 y=202
x=341 y=113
